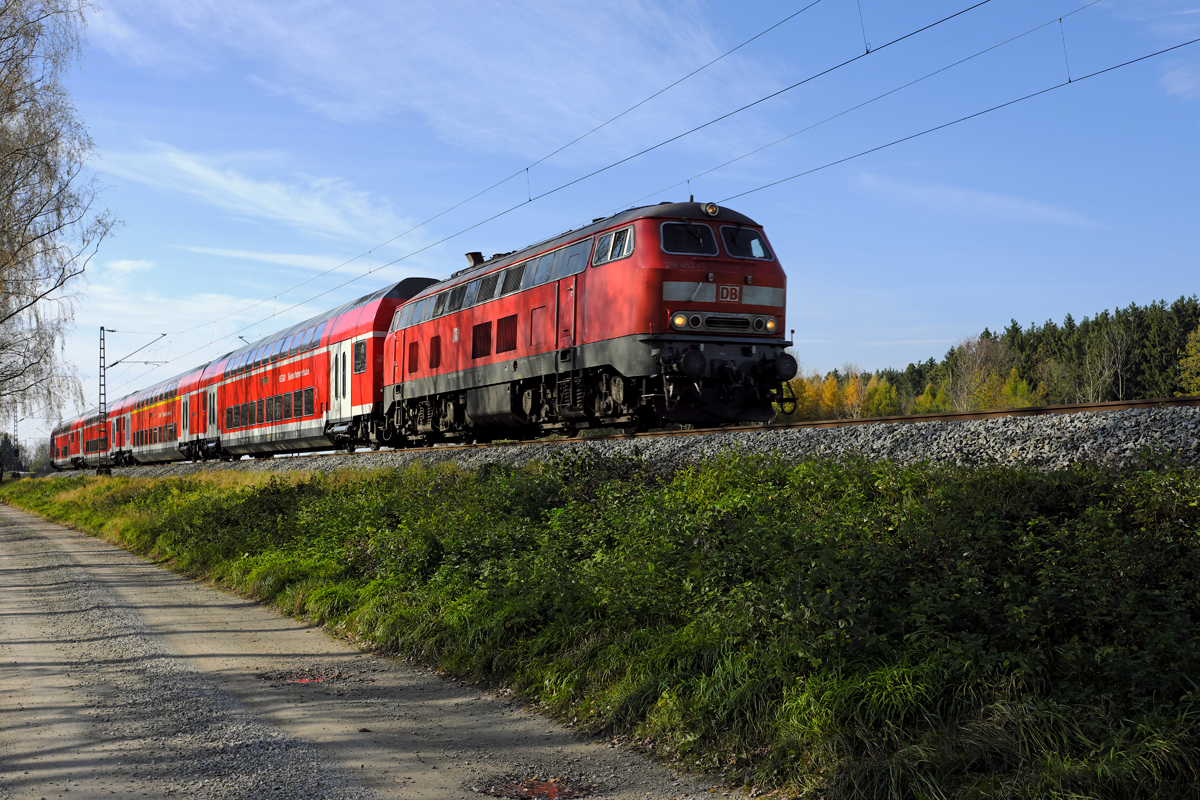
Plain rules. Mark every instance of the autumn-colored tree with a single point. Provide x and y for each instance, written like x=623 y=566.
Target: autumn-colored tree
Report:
x=1189 y=365
x=830 y=402
x=854 y=391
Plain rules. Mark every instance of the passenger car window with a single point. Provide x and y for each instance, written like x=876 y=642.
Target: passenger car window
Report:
x=360 y=357
x=456 y=298
x=316 y=339
x=439 y=307
x=275 y=350
x=744 y=243
x=688 y=238
x=304 y=341
x=309 y=404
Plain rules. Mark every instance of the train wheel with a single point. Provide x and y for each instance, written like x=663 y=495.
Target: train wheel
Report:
x=374 y=445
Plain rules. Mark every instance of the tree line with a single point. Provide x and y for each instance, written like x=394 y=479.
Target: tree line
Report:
x=1135 y=352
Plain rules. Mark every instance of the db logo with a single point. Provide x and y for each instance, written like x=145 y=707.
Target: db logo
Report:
x=729 y=294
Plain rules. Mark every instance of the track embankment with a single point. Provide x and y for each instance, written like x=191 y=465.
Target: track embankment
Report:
x=1112 y=438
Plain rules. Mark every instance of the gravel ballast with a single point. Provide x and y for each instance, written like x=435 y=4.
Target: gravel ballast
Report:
x=1115 y=439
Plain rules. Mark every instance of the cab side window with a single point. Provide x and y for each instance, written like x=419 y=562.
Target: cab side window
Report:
x=613 y=246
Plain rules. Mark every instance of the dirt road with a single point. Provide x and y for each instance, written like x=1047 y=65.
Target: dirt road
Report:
x=120 y=678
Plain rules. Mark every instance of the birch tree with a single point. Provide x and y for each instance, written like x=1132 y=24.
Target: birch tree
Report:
x=51 y=221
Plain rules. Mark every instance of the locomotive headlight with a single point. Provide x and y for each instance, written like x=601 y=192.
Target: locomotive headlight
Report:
x=679 y=321
x=772 y=325
x=712 y=209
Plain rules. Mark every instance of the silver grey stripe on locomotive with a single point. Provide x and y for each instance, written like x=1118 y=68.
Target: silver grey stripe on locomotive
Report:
x=701 y=292
x=762 y=296
x=689 y=291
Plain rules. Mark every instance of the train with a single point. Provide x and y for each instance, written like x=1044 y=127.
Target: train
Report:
x=671 y=313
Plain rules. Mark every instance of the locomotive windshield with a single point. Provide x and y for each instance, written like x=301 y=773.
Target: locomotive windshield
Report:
x=744 y=243
x=688 y=238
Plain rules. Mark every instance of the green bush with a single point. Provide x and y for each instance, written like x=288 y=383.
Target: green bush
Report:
x=835 y=629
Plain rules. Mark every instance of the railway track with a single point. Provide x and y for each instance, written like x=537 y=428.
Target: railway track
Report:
x=950 y=416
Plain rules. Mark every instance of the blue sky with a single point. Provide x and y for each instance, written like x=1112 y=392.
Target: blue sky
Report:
x=252 y=146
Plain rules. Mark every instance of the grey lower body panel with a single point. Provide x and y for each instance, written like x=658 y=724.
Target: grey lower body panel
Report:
x=632 y=356
x=285 y=438
x=723 y=378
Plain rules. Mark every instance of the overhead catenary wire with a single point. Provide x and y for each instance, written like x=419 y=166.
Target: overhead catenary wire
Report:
x=568 y=184
x=945 y=125
x=863 y=104
x=526 y=169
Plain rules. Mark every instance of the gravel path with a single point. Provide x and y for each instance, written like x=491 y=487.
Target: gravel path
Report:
x=119 y=678
x=1052 y=441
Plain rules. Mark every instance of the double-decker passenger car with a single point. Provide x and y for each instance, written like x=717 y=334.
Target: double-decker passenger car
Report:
x=667 y=313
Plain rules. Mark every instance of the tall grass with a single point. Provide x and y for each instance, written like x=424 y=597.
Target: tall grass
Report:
x=833 y=629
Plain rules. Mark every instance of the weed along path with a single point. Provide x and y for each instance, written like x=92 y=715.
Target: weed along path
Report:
x=120 y=678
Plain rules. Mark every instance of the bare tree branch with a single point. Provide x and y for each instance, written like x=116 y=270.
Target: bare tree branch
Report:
x=51 y=222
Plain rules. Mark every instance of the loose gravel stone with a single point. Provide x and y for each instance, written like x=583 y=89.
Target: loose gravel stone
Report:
x=1116 y=439
x=164 y=730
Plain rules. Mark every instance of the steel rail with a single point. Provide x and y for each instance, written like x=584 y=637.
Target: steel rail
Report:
x=947 y=416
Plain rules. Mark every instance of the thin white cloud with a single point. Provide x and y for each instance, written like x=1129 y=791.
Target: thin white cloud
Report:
x=1183 y=81
x=909 y=342
x=1169 y=19
x=316 y=263
x=971 y=202
x=128 y=265
x=516 y=77
x=328 y=206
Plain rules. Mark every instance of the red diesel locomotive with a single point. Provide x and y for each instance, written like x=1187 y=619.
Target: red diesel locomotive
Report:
x=667 y=313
